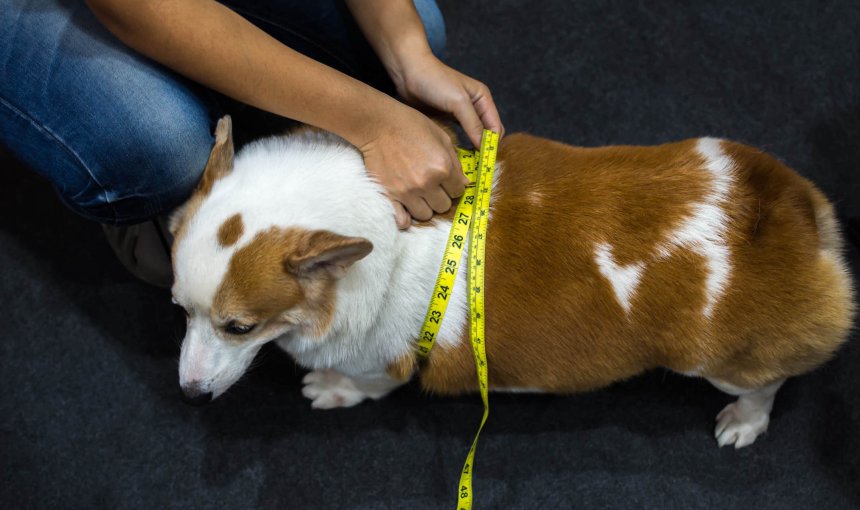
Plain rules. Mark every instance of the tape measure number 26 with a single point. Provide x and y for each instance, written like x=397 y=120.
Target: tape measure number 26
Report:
x=470 y=219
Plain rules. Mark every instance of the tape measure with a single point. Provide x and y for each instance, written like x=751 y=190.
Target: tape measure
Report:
x=471 y=217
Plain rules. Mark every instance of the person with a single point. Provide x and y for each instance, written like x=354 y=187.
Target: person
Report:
x=115 y=102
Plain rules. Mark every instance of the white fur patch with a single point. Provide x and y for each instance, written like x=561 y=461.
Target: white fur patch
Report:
x=208 y=363
x=316 y=181
x=704 y=231
x=696 y=371
x=624 y=279
x=328 y=389
x=741 y=422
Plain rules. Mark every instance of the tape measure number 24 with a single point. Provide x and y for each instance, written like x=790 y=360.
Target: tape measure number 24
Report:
x=470 y=219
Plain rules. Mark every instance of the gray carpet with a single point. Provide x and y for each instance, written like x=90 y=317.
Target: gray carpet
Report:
x=90 y=415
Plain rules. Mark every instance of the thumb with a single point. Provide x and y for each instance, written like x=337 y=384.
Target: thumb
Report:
x=468 y=118
x=401 y=215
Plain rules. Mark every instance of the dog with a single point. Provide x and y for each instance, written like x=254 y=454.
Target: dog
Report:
x=705 y=257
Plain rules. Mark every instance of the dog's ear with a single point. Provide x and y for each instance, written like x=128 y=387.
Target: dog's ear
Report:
x=326 y=253
x=220 y=164
x=176 y=219
x=221 y=158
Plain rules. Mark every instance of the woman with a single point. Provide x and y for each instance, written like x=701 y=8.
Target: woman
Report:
x=123 y=129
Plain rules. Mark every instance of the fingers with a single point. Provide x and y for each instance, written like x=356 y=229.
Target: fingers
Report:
x=482 y=108
x=422 y=203
x=417 y=207
x=438 y=199
x=467 y=116
x=486 y=109
x=401 y=216
x=440 y=182
x=439 y=86
x=456 y=182
x=416 y=164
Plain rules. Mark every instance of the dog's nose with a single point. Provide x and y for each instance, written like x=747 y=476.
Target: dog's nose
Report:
x=193 y=397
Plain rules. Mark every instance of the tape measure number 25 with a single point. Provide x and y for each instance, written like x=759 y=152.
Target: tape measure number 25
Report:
x=470 y=219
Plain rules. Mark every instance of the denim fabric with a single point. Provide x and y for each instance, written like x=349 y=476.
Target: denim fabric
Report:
x=121 y=138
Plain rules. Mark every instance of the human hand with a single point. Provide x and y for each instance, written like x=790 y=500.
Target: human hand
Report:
x=414 y=159
x=427 y=80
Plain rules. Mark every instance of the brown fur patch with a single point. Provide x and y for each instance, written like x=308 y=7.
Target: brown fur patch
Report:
x=553 y=320
x=231 y=230
x=221 y=158
x=403 y=368
x=286 y=276
x=258 y=288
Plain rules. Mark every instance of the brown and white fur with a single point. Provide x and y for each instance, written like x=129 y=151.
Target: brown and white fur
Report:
x=705 y=257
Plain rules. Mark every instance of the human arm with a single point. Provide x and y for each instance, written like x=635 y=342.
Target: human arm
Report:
x=409 y=155
x=396 y=33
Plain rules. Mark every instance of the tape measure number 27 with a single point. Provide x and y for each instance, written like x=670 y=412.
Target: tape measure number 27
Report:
x=470 y=219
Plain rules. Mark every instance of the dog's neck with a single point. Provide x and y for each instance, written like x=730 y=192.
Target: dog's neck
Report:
x=381 y=304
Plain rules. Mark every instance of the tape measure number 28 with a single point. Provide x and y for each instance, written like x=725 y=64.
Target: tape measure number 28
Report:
x=470 y=219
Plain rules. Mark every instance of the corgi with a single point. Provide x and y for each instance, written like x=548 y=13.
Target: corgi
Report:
x=706 y=257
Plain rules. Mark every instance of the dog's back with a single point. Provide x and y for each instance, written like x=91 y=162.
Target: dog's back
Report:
x=704 y=256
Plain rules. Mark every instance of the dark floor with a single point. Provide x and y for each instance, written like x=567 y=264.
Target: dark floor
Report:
x=90 y=415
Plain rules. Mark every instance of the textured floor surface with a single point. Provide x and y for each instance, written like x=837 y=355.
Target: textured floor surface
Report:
x=90 y=415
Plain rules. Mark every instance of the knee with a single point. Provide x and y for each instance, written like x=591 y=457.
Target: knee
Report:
x=123 y=170
x=125 y=165
x=121 y=139
x=147 y=170
x=434 y=25
x=117 y=172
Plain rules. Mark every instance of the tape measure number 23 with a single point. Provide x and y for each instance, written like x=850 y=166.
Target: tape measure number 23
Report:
x=470 y=219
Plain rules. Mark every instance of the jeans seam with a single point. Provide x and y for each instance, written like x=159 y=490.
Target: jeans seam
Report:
x=60 y=142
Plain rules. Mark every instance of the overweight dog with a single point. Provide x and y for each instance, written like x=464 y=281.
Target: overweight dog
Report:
x=706 y=257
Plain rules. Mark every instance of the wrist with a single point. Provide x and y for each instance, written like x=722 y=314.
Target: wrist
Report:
x=406 y=57
x=371 y=118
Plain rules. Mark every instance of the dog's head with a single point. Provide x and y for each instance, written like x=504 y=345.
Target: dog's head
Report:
x=244 y=281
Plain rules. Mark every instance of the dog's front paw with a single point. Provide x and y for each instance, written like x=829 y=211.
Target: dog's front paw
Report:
x=328 y=389
x=739 y=426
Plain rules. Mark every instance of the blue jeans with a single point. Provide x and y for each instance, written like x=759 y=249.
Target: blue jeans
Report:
x=121 y=138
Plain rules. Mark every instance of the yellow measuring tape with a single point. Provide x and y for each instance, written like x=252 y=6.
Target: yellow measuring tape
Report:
x=471 y=217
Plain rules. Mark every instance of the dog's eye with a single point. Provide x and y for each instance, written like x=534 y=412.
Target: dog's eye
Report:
x=234 y=328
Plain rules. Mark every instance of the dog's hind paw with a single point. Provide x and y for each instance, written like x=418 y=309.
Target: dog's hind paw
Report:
x=739 y=426
x=328 y=389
